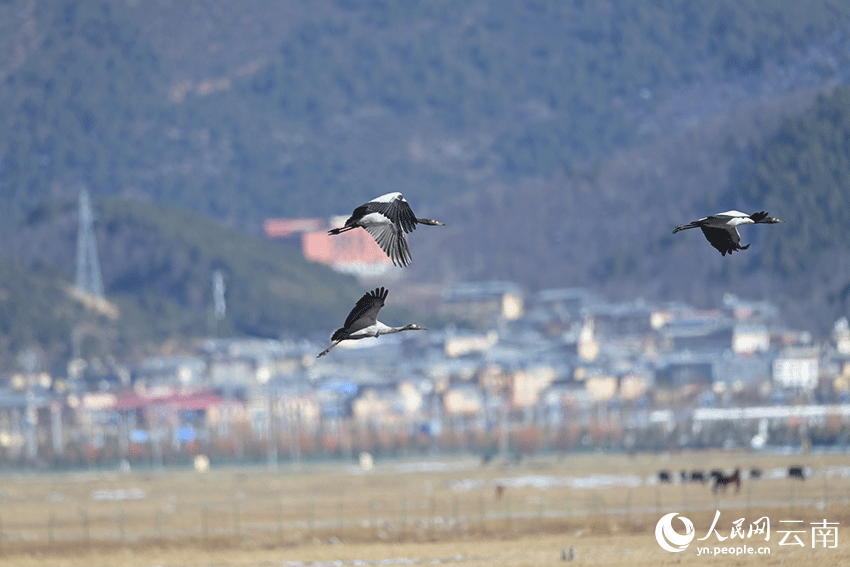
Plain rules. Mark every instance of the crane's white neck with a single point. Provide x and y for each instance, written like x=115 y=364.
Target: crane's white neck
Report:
x=381 y=329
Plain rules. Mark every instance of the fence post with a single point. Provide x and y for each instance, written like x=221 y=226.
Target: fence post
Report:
x=84 y=514
x=279 y=516
x=541 y=512
x=404 y=512
x=482 y=510
x=51 y=526
x=431 y=517
x=121 y=522
x=237 y=518
x=508 y=515
x=341 y=519
x=456 y=510
x=657 y=499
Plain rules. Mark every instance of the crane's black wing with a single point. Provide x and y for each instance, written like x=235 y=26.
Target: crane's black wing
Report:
x=724 y=240
x=365 y=312
x=397 y=210
x=392 y=241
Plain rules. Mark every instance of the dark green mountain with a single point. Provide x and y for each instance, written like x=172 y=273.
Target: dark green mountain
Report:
x=805 y=168
x=157 y=266
x=303 y=108
x=558 y=140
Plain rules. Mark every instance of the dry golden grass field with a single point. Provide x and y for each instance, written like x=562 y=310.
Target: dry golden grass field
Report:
x=427 y=512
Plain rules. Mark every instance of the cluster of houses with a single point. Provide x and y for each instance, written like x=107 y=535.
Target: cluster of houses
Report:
x=516 y=369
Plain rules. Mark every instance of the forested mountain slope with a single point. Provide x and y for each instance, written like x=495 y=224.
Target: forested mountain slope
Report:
x=560 y=141
x=157 y=266
x=611 y=228
x=284 y=109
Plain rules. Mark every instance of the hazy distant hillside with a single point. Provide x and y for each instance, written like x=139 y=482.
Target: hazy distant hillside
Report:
x=560 y=142
x=157 y=266
x=36 y=316
x=271 y=108
x=611 y=228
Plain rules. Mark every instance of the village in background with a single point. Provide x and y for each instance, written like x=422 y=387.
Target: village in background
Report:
x=521 y=373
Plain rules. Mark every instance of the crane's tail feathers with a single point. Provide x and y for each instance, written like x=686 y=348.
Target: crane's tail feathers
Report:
x=734 y=248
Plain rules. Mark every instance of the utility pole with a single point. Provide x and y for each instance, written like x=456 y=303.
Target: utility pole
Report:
x=219 y=304
x=271 y=440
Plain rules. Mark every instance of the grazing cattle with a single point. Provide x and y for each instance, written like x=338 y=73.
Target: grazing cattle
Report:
x=500 y=491
x=755 y=473
x=698 y=476
x=796 y=472
x=723 y=481
x=664 y=476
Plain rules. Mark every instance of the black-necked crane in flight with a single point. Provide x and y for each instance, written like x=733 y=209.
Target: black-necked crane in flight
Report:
x=363 y=322
x=721 y=229
x=387 y=218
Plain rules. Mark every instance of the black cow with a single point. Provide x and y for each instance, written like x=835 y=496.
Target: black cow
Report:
x=722 y=481
x=698 y=476
x=796 y=472
x=664 y=476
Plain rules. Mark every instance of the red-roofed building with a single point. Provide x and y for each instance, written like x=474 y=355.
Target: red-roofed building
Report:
x=169 y=405
x=354 y=252
x=356 y=246
x=174 y=402
x=284 y=228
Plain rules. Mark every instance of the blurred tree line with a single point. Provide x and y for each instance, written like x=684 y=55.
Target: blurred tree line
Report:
x=494 y=88
x=157 y=266
x=804 y=171
x=357 y=99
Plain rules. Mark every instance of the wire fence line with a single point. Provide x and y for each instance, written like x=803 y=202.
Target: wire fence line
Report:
x=336 y=520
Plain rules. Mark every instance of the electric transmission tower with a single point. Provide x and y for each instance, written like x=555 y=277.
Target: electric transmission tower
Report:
x=89 y=279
